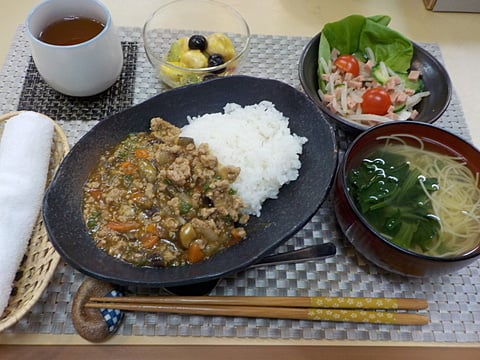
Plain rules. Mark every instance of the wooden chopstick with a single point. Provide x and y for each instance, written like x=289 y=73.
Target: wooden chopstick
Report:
x=340 y=309
x=337 y=315
x=275 y=301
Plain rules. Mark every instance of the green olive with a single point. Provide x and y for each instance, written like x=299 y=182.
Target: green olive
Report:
x=187 y=234
x=148 y=170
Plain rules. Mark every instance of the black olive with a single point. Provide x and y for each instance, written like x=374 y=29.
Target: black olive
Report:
x=197 y=42
x=151 y=211
x=207 y=202
x=215 y=60
x=156 y=260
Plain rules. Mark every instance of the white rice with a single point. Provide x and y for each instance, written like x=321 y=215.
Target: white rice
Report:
x=255 y=138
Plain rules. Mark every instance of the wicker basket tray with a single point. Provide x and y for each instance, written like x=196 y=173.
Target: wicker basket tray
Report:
x=40 y=259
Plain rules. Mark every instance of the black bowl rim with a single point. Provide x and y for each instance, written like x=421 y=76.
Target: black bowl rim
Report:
x=366 y=224
x=358 y=127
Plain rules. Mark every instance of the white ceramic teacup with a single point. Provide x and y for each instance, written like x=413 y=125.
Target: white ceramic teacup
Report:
x=83 y=69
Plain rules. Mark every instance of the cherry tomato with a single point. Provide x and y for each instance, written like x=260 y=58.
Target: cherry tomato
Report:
x=347 y=63
x=376 y=101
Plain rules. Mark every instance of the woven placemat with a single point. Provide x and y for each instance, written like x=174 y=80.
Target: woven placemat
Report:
x=454 y=300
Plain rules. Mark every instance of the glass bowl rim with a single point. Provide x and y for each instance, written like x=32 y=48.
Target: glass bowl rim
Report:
x=239 y=54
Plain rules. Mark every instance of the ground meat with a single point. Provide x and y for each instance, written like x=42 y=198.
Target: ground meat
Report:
x=163 y=130
x=158 y=200
x=114 y=195
x=179 y=172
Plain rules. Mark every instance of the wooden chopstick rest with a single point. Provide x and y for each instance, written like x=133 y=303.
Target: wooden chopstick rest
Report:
x=91 y=324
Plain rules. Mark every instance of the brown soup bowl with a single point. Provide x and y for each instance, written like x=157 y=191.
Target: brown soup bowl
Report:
x=364 y=238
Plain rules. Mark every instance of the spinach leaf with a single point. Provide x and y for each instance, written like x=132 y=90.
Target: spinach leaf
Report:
x=353 y=34
x=390 y=196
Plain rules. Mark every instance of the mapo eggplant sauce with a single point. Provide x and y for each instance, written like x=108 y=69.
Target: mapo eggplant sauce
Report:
x=158 y=200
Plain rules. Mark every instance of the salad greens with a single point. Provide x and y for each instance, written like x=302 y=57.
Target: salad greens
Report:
x=387 y=191
x=355 y=33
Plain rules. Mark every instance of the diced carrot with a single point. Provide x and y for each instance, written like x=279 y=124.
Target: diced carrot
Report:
x=95 y=193
x=237 y=233
x=151 y=228
x=128 y=168
x=136 y=196
x=195 y=253
x=149 y=240
x=122 y=226
x=141 y=153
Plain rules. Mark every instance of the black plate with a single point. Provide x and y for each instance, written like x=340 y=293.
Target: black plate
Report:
x=281 y=218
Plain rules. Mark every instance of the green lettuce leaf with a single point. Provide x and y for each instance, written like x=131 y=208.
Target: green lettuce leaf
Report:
x=353 y=34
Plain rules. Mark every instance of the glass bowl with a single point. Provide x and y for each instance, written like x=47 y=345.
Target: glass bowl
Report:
x=176 y=21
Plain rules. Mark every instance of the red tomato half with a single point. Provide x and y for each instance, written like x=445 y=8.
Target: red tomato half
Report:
x=347 y=63
x=376 y=101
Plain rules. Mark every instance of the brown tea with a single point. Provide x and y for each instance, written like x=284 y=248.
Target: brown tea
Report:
x=71 y=30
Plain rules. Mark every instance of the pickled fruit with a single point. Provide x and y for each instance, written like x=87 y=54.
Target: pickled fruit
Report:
x=194 y=59
x=219 y=43
x=177 y=48
x=197 y=52
x=176 y=77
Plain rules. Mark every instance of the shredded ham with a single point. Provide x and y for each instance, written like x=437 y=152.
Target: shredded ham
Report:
x=413 y=75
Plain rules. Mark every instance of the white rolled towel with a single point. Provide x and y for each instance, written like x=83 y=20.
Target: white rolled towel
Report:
x=25 y=149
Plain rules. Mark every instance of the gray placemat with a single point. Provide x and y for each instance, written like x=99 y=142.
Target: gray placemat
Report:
x=454 y=300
